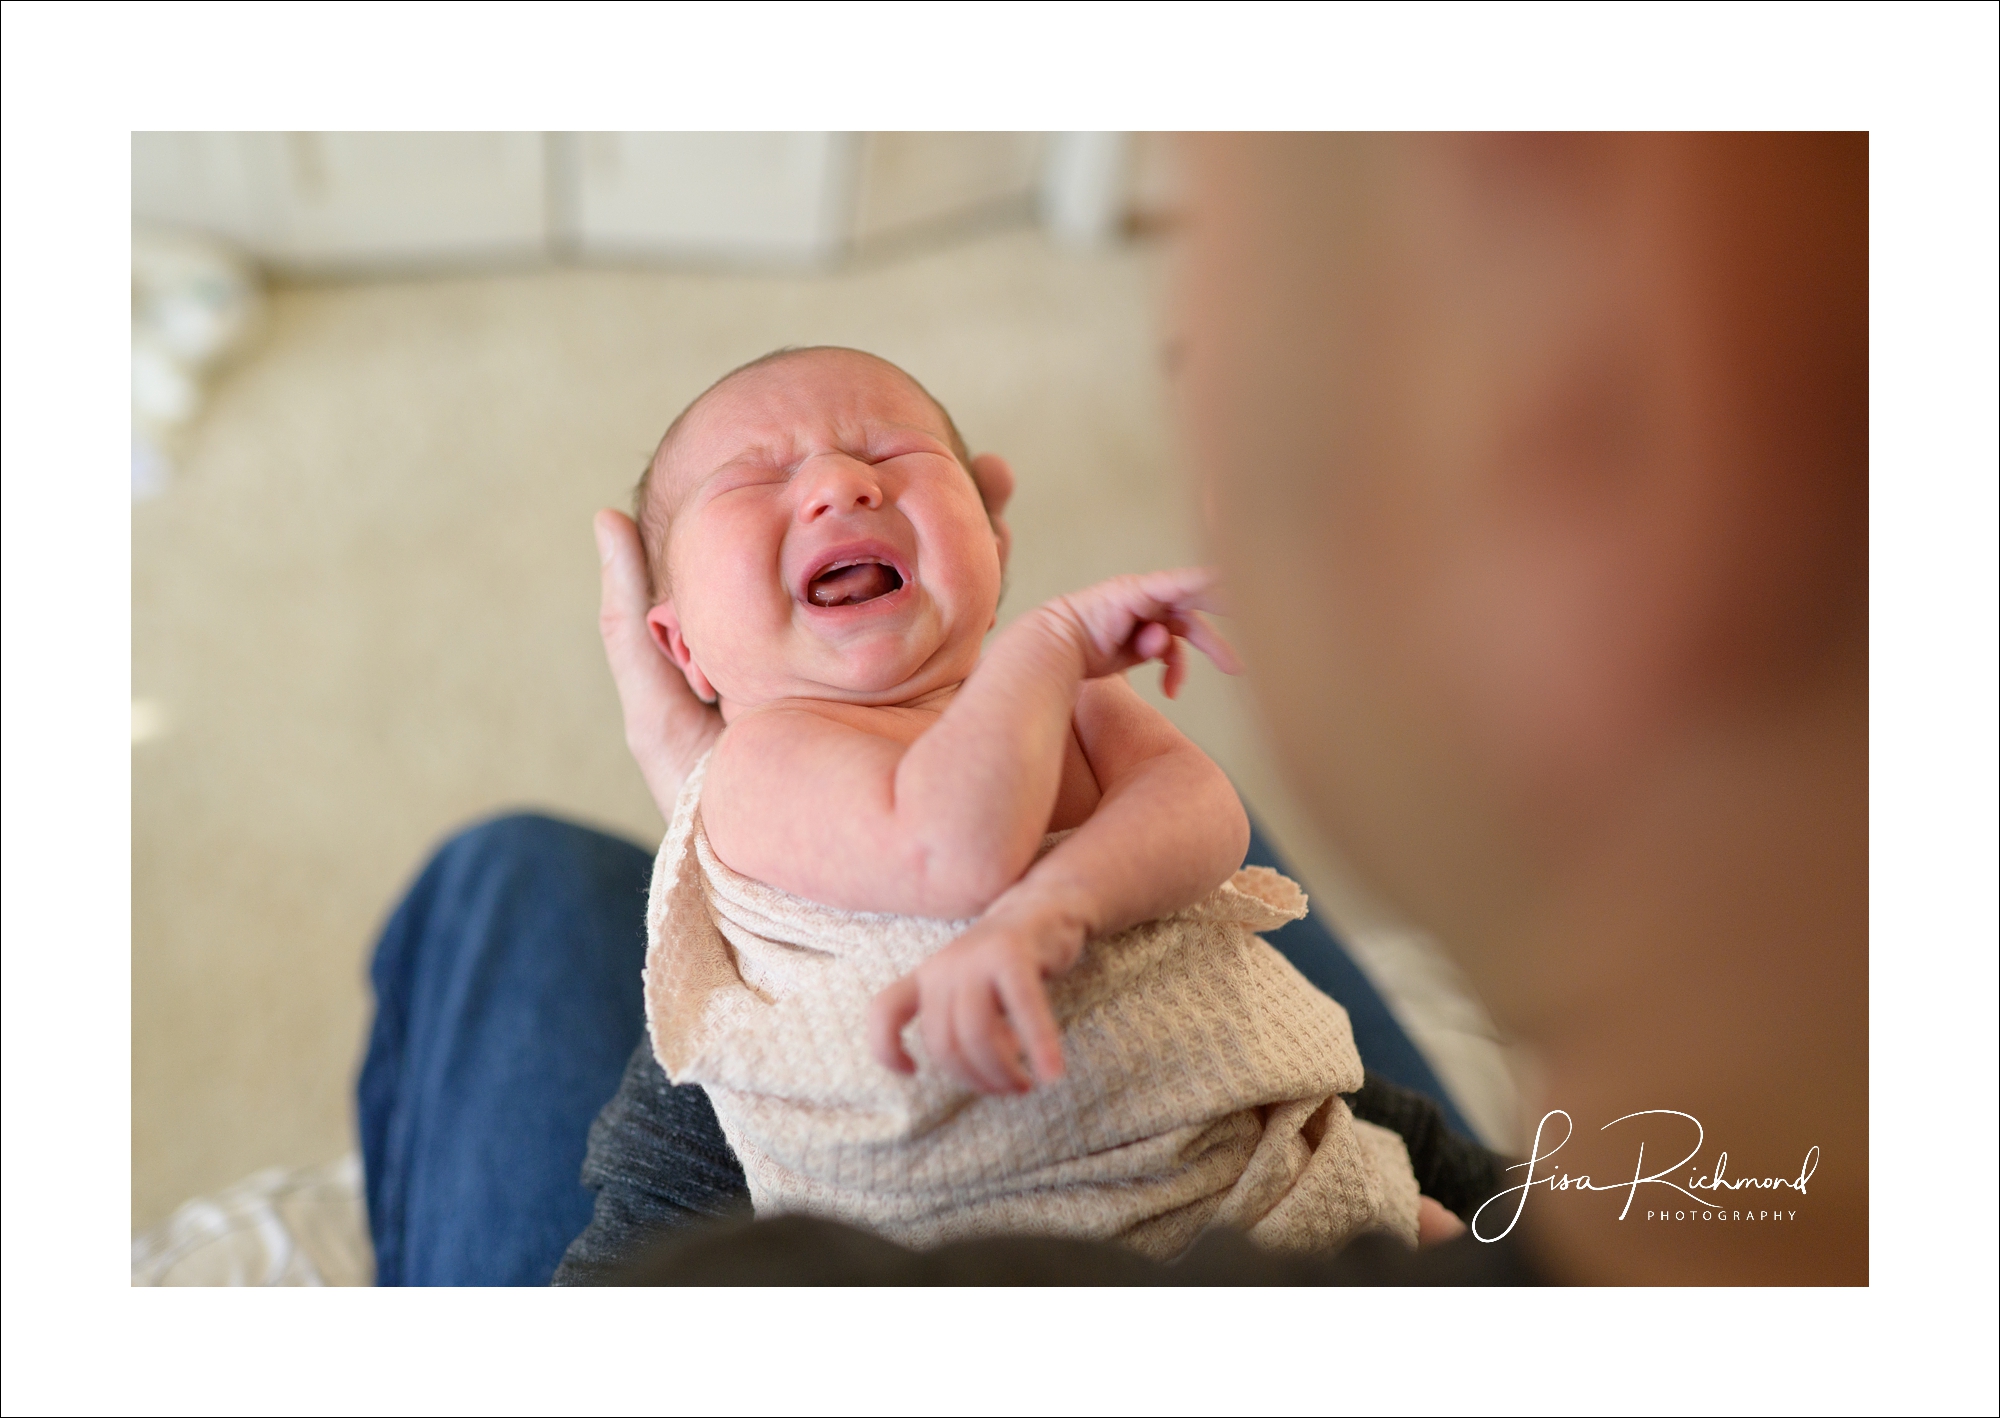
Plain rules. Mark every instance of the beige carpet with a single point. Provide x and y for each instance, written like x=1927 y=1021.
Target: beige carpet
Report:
x=363 y=614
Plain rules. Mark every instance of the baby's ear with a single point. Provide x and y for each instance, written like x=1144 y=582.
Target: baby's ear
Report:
x=995 y=481
x=665 y=624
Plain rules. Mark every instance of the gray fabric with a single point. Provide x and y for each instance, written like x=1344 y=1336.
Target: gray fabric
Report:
x=1454 y=1171
x=658 y=1163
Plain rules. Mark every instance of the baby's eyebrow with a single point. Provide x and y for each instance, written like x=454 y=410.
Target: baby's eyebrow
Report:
x=933 y=435
x=787 y=450
x=761 y=450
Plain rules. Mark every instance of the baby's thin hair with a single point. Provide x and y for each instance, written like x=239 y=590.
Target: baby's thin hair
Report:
x=653 y=523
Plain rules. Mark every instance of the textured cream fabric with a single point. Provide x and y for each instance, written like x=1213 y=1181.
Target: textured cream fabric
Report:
x=1201 y=1084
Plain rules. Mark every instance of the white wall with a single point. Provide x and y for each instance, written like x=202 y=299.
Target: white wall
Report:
x=748 y=198
x=912 y=183
x=313 y=203
x=332 y=200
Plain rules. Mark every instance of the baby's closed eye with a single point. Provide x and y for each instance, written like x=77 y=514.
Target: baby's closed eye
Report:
x=910 y=459
x=739 y=476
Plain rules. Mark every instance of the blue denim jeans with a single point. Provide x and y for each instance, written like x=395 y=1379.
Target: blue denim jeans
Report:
x=506 y=1005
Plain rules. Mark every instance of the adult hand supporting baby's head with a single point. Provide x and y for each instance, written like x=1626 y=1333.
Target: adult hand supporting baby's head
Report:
x=995 y=481
x=667 y=729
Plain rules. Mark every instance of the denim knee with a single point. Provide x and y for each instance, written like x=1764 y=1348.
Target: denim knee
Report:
x=529 y=837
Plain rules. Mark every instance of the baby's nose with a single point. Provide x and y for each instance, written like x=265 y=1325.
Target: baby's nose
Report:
x=836 y=483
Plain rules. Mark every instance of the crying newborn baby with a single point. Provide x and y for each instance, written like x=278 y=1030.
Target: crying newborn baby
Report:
x=956 y=942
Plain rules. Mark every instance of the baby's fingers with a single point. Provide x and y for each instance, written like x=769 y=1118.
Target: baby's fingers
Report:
x=1175 y=659
x=1203 y=636
x=1435 y=1225
x=1153 y=640
x=1187 y=588
x=990 y=1054
x=1027 y=1004
x=888 y=1012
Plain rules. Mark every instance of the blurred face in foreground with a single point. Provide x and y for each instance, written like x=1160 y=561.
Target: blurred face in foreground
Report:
x=1538 y=469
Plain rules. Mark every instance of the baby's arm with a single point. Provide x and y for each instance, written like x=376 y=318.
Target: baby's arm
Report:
x=943 y=824
x=1168 y=830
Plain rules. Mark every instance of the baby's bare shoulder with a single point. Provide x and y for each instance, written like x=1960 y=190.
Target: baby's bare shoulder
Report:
x=777 y=752
x=787 y=780
x=791 y=735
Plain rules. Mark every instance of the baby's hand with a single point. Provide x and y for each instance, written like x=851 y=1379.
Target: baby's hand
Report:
x=1131 y=619
x=980 y=1003
x=1435 y=1225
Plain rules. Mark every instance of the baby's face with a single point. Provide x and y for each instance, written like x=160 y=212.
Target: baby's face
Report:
x=824 y=542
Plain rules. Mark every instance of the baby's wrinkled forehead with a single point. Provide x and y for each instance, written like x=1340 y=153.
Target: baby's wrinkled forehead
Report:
x=778 y=406
x=792 y=397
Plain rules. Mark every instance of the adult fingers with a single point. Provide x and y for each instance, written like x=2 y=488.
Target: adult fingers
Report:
x=666 y=727
x=888 y=1012
x=638 y=669
x=624 y=597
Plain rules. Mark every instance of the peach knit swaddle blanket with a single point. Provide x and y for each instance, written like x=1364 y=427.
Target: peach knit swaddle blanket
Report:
x=1202 y=1079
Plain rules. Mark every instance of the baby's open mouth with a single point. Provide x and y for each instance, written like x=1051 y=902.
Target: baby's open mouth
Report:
x=851 y=583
